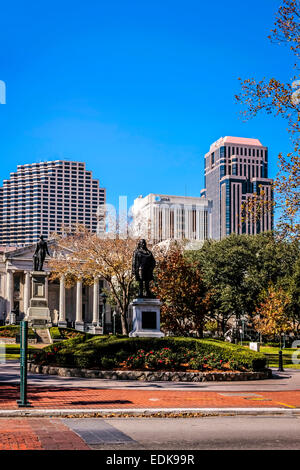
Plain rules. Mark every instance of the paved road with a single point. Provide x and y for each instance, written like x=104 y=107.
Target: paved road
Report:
x=282 y=381
x=200 y=433
x=215 y=433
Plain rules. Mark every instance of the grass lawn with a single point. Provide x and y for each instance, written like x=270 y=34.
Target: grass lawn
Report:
x=12 y=351
x=272 y=356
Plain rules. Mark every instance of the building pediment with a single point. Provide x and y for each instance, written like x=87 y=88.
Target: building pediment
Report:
x=21 y=259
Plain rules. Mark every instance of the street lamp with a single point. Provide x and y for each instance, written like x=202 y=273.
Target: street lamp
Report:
x=237 y=324
x=114 y=322
x=104 y=297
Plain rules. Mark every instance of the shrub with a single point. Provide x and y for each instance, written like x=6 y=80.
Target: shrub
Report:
x=55 y=333
x=171 y=351
x=108 y=362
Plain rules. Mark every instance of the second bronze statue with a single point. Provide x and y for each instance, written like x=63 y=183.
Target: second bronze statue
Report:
x=40 y=254
x=143 y=264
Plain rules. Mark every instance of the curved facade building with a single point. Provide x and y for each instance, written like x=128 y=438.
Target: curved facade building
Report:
x=41 y=197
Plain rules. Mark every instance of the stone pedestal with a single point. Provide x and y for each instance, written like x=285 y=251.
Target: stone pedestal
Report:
x=146 y=318
x=95 y=329
x=38 y=314
x=12 y=318
x=79 y=325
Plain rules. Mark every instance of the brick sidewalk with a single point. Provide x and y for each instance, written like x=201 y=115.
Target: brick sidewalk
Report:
x=38 y=434
x=97 y=398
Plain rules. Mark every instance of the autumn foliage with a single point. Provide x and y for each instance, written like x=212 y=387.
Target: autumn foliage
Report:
x=271 y=316
x=180 y=287
x=84 y=255
x=279 y=99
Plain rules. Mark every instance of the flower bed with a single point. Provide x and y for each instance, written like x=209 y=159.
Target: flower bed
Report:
x=166 y=359
x=13 y=331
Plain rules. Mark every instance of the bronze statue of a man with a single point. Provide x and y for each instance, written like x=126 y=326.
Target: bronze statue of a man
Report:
x=40 y=254
x=143 y=264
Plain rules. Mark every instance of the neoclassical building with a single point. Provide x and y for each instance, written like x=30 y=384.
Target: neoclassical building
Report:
x=159 y=217
x=80 y=306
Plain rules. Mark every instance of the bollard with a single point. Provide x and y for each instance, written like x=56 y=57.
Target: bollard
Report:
x=23 y=403
x=280 y=368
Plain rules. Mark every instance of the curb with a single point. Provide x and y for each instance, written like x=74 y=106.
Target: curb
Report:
x=150 y=376
x=144 y=412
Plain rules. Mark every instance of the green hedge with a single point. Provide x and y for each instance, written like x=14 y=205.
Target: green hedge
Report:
x=66 y=333
x=55 y=333
x=100 y=351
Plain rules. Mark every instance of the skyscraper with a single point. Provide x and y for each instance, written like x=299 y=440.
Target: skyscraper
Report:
x=41 y=197
x=235 y=169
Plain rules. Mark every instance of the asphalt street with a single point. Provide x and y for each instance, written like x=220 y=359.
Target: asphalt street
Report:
x=288 y=380
x=214 y=433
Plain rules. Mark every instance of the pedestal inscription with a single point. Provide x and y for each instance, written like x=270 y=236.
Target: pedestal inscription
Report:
x=149 y=321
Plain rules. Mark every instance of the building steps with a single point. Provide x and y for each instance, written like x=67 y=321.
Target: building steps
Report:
x=43 y=335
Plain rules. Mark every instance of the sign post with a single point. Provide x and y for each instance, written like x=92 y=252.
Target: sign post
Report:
x=23 y=365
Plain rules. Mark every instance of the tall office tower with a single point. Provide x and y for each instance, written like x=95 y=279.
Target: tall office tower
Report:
x=41 y=197
x=235 y=169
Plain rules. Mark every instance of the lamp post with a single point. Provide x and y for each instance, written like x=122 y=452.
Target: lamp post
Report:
x=114 y=322
x=104 y=297
x=237 y=329
x=280 y=357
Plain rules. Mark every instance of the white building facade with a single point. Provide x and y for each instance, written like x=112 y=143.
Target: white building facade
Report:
x=79 y=306
x=159 y=217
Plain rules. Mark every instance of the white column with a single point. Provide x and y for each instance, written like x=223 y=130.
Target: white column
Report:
x=47 y=288
x=96 y=302
x=9 y=293
x=27 y=292
x=186 y=223
x=198 y=224
x=62 y=302
x=79 y=325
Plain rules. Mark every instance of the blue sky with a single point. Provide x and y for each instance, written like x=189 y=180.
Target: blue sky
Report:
x=136 y=89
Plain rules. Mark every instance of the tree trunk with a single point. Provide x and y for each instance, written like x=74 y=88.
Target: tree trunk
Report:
x=124 y=323
x=200 y=331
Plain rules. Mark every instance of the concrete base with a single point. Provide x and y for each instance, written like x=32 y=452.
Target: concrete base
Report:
x=12 y=319
x=62 y=324
x=146 y=318
x=38 y=313
x=79 y=326
x=95 y=330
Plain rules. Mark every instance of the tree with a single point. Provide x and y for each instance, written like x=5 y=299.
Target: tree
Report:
x=238 y=268
x=272 y=314
x=180 y=287
x=84 y=255
x=280 y=99
x=224 y=265
x=292 y=285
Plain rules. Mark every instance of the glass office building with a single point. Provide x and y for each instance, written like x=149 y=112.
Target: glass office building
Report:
x=236 y=168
